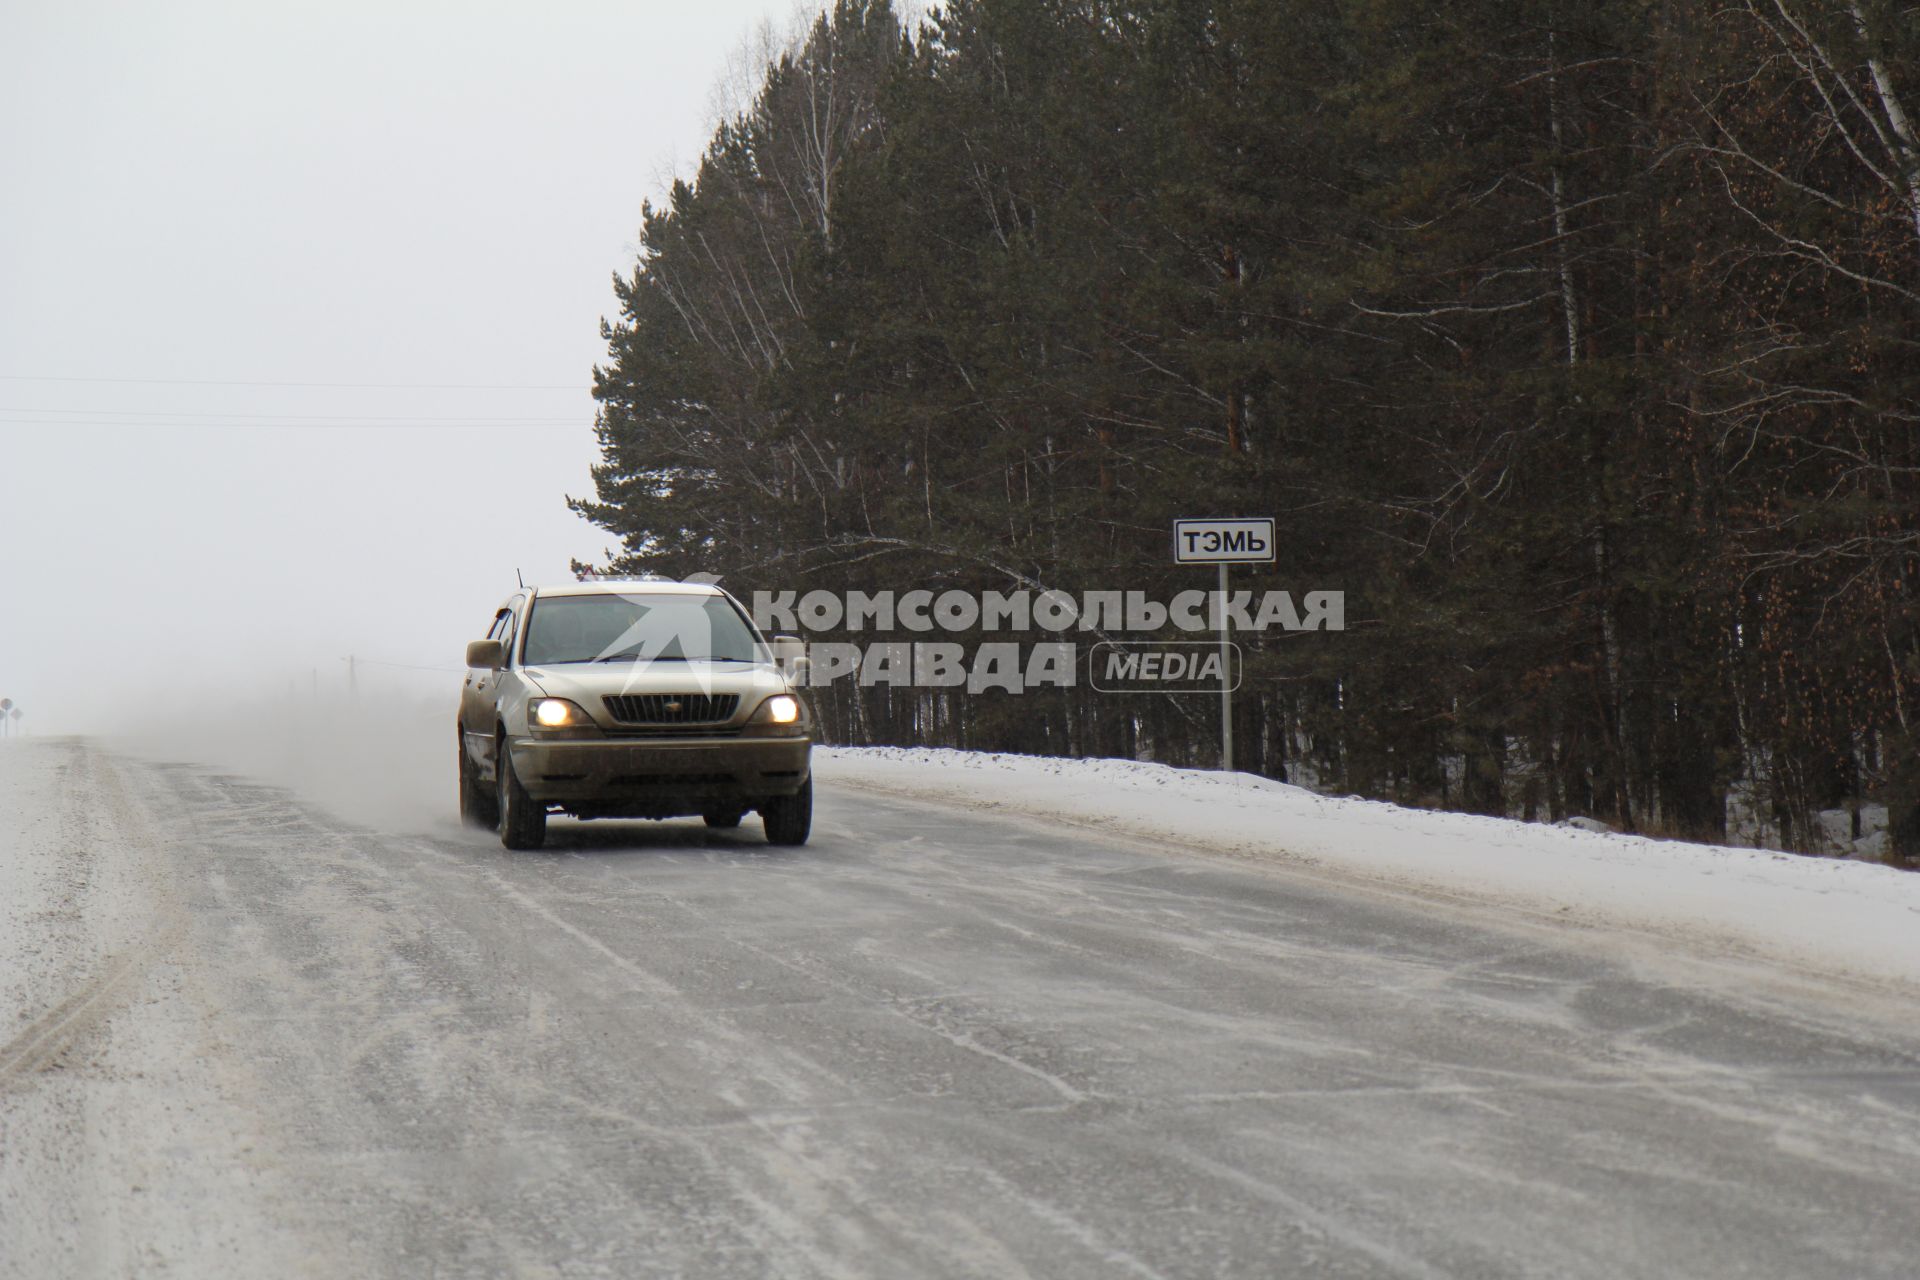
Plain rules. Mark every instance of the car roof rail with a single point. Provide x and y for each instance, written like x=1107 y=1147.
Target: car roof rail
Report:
x=591 y=575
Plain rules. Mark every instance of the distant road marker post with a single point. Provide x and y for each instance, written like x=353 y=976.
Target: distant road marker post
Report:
x=1223 y=542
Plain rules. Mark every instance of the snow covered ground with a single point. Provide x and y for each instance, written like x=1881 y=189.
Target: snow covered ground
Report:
x=1826 y=914
x=240 y=1036
x=119 y=1125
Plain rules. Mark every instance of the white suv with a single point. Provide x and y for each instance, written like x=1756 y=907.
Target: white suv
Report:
x=619 y=698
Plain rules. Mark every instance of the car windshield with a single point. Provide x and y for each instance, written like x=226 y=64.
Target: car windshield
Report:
x=652 y=627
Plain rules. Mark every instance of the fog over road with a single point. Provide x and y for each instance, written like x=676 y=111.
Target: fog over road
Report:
x=243 y=1037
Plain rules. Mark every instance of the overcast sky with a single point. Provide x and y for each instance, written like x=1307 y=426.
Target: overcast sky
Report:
x=299 y=303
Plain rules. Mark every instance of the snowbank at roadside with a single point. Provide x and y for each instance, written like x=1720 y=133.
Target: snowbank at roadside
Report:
x=1826 y=913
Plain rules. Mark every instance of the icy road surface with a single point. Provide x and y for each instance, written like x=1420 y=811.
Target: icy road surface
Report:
x=239 y=1037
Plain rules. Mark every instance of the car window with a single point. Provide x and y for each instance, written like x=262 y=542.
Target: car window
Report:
x=657 y=627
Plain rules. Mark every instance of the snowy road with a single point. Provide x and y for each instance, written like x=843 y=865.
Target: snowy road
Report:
x=240 y=1037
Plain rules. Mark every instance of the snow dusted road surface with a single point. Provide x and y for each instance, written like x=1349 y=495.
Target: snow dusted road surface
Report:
x=240 y=1037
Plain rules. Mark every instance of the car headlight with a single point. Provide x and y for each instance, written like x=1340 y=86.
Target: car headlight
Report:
x=556 y=713
x=780 y=716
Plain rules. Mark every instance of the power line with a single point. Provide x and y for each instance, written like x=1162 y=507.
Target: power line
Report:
x=265 y=417
x=451 y=425
x=237 y=382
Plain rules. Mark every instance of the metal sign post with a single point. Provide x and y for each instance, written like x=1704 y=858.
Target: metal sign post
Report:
x=1226 y=684
x=1224 y=542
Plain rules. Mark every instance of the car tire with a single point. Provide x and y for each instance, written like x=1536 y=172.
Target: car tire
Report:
x=724 y=820
x=479 y=804
x=789 y=819
x=523 y=820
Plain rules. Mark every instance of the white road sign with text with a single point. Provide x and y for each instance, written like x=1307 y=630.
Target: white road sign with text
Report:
x=1223 y=541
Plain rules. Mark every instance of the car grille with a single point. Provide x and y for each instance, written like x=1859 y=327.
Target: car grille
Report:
x=671 y=708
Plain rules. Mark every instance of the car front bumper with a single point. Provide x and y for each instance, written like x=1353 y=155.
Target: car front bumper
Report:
x=608 y=773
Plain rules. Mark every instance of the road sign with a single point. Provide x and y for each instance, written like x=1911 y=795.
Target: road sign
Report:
x=1223 y=541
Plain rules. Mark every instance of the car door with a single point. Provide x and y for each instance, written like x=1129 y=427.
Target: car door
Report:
x=477 y=700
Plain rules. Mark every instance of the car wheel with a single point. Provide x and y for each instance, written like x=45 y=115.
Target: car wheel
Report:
x=523 y=820
x=479 y=806
x=789 y=819
x=725 y=819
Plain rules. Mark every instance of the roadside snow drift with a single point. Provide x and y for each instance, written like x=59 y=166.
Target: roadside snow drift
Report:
x=1823 y=913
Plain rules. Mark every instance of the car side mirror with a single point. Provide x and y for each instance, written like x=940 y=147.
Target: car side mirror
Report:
x=790 y=652
x=486 y=655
